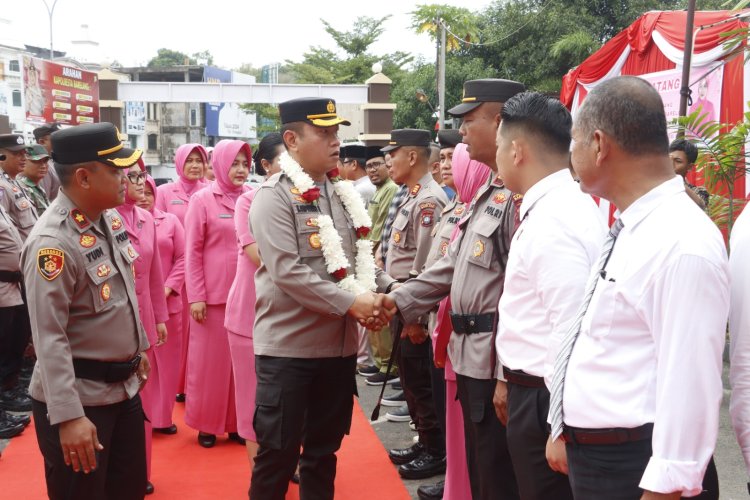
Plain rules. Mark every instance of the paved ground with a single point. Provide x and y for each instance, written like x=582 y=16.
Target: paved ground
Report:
x=732 y=475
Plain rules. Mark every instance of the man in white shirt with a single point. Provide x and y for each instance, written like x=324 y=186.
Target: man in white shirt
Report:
x=637 y=379
x=353 y=159
x=739 y=332
x=550 y=257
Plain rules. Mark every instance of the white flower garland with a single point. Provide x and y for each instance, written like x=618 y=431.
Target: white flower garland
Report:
x=363 y=279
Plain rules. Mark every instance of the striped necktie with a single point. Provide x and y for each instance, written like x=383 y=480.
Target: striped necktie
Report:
x=566 y=348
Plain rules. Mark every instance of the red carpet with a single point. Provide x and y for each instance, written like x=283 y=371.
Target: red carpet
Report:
x=183 y=470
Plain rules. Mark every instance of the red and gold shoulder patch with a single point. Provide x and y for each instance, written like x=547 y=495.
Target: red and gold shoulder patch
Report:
x=499 y=198
x=314 y=240
x=427 y=204
x=50 y=262
x=88 y=240
x=105 y=292
x=80 y=219
x=415 y=189
x=427 y=218
x=116 y=223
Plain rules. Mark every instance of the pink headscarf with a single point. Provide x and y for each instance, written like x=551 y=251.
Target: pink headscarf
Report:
x=152 y=183
x=188 y=185
x=127 y=209
x=468 y=176
x=224 y=155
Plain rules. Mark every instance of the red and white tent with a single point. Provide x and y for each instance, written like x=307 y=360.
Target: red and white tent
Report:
x=654 y=43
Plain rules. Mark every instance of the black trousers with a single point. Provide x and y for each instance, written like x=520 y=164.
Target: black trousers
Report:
x=15 y=333
x=615 y=471
x=437 y=377
x=490 y=468
x=300 y=402
x=527 y=441
x=414 y=363
x=121 y=466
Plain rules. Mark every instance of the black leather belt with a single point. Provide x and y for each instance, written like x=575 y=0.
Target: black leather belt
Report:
x=11 y=276
x=519 y=377
x=473 y=323
x=607 y=436
x=105 y=371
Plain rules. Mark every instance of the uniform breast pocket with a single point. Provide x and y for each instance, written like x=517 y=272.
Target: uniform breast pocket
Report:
x=601 y=311
x=101 y=284
x=308 y=236
x=25 y=212
x=482 y=241
x=400 y=228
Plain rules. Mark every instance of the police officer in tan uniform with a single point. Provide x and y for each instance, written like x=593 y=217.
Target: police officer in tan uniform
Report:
x=411 y=239
x=78 y=271
x=473 y=272
x=305 y=333
x=13 y=197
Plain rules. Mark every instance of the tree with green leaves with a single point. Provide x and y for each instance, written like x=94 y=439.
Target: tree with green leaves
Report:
x=461 y=22
x=166 y=58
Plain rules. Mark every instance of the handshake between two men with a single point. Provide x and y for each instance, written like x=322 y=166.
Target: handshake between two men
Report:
x=374 y=311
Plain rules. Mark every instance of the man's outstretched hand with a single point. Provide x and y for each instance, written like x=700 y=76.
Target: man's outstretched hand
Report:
x=371 y=311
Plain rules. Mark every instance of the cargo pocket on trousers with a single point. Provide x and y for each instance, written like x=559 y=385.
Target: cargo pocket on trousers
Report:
x=268 y=419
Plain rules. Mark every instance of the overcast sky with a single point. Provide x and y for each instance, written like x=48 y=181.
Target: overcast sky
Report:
x=234 y=31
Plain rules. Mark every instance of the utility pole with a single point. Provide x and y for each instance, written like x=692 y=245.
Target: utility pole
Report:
x=50 y=11
x=687 y=59
x=441 y=78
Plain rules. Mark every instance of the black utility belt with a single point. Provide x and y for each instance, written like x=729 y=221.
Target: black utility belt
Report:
x=105 y=371
x=520 y=377
x=11 y=276
x=618 y=435
x=473 y=323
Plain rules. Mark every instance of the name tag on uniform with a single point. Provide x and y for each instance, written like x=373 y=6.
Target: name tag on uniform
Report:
x=306 y=208
x=176 y=202
x=225 y=216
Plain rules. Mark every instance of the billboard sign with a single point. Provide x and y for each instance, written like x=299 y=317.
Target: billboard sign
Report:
x=57 y=93
x=135 y=118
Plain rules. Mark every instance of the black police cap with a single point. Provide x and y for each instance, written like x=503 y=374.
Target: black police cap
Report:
x=407 y=137
x=486 y=90
x=12 y=142
x=45 y=130
x=449 y=138
x=92 y=142
x=317 y=111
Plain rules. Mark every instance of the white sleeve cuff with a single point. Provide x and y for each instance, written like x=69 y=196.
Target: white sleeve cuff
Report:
x=668 y=476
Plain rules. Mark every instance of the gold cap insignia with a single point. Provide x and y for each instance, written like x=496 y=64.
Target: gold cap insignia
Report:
x=331 y=107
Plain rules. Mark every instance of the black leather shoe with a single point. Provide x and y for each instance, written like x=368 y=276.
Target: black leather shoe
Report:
x=149 y=488
x=15 y=419
x=431 y=491
x=424 y=466
x=206 y=440
x=9 y=430
x=180 y=398
x=13 y=400
x=233 y=436
x=405 y=455
x=172 y=429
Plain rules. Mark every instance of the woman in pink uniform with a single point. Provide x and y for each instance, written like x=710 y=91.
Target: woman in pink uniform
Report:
x=149 y=288
x=170 y=237
x=190 y=162
x=210 y=266
x=468 y=176
x=240 y=314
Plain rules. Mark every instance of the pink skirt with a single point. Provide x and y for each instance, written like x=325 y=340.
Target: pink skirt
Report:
x=166 y=359
x=209 y=404
x=457 y=486
x=243 y=367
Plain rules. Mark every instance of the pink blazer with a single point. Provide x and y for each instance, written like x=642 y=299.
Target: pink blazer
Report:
x=210 y=246
x=149 y=281
x=240 y=313
x=173 y=199
x=170 y=237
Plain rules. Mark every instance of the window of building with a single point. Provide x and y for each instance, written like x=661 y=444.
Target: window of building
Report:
x=193 y=117
x=152 y=111
x=14 y=66
x=17 y=98
x=151 y=142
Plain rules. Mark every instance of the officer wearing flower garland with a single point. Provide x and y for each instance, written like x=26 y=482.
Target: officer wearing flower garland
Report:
x=313 y=285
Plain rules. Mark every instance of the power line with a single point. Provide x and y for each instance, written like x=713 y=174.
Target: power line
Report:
x=499 y=39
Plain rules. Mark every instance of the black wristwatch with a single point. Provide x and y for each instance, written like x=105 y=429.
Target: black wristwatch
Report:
x=390 y=286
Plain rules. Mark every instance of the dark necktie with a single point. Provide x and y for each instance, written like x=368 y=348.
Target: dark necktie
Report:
x=566 y=348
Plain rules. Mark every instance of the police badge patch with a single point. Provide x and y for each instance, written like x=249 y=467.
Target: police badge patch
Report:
x=50 y=262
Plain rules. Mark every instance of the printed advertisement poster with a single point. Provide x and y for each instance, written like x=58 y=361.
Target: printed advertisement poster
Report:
x=214 y=75
x=706 y=91
x=57 y=93
x=228 y=119
x=135 y=118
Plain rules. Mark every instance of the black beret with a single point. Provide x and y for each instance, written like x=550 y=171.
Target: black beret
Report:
x=449 y=138
x=486 y=90
x=12 y=142
x=317 y=111
x=407 y=137
x=92 y=142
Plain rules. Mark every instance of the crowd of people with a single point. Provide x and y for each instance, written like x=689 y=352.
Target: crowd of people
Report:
x=538 y=351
